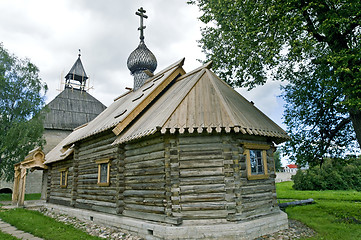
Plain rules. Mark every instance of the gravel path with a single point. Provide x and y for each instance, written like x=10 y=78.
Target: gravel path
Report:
x=296 y=229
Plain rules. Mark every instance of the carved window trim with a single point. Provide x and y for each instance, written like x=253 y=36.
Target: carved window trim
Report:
x=256 y=147
x=63 y=173
x=103 y=162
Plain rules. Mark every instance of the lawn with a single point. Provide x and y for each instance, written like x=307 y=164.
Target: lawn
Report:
x=42 y=226
x=31 y=196
x=335 y=215
x=5 y=236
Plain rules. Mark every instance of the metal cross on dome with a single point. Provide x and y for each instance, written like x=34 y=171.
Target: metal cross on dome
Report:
x=141 y=14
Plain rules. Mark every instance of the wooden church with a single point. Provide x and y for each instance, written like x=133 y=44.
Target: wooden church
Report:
x=180 y=156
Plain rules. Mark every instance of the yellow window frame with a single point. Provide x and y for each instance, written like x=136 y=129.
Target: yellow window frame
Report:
x=100 y=162
x=63 y=171
x=263 y=148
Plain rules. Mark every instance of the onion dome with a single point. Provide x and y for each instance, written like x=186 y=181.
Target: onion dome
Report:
x=141 y=58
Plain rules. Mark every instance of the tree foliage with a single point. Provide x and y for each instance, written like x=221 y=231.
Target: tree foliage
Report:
x=277 y=159
x=317 y=121
x=21 y=99
x=335 y=174
x=251 y=41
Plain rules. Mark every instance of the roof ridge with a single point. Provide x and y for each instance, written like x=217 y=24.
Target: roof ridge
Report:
x=207 y=65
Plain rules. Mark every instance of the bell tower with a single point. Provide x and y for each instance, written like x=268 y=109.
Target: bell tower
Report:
x=76 y=78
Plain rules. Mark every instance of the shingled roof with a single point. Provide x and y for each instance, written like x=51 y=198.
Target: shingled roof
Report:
x=201 y=102
x=70 y=109
x=175 y=101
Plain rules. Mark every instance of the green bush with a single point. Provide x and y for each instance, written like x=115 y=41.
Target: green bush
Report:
x=335 y=174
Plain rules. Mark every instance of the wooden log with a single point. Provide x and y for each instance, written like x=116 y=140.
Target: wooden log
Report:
x=100 y=198
x=144 y=143
x=201 y=163
x=153 y=217
x=200 y=206
x=145 y=186
x=198 y=197
x=144 y=171
x=145 y=164
x=201 y=172
x=295 y=203
x=144 y=193
x=150 y=179
x=145 y=156
x=207 y=188
x=204 y=214
x=144 y=201
x=148 y=149
x=198 y=139
x=94 y=202
x=144 y=208
x=202 y=180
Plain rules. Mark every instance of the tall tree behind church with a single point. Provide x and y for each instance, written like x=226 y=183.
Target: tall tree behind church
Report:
x=21 y=99
x=252 y=41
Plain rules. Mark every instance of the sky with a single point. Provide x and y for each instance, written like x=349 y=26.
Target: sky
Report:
x=50 y=33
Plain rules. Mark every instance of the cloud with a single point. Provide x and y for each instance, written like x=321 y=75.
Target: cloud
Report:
x=51 y=32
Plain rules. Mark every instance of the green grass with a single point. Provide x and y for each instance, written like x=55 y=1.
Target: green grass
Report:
x=5 y=236
x=30 y=196
x=285 y=191
x=335 y=215
x=42 y=226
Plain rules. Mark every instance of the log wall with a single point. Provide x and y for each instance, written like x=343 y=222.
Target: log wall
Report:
x=144 y=178
x=86 y=192
x=167 y=178
x=55 y=193
x=257 y=197
x=202 y=190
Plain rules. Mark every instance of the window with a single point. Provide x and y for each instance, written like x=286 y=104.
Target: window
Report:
x=63 y=177
x=256 y=161
x=103 y=172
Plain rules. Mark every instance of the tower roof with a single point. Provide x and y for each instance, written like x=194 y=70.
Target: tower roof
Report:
x=77 y=71
x=70 y=109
